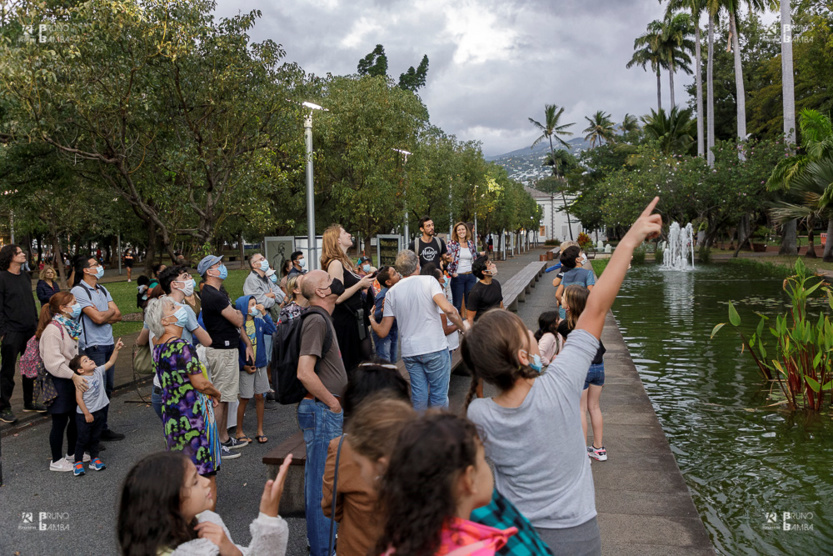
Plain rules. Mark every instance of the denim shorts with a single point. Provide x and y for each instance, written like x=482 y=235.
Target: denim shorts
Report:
x=595 y=376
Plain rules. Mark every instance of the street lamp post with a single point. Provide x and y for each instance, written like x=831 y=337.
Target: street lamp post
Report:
x=311 y=245
x=405 y=193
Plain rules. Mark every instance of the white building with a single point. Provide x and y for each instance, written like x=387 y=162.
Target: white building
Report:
x=553 y=223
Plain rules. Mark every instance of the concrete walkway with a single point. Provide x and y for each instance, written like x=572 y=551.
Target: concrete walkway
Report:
x=643 y=503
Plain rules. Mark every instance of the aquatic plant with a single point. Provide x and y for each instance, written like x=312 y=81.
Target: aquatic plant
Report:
x=801 y=360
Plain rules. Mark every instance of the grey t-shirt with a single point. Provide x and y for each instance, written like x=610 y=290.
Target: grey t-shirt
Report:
x=331 y=367
x=95 y=397
x=538 y=449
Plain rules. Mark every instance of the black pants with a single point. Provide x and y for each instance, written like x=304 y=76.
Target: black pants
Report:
x=13 y=346
x=89 y=435
x=61 y=422
x=101 y=354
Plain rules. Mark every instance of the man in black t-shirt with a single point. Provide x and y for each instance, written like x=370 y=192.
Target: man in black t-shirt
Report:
x=486 y=293
x=224 y=324
x=428 y=248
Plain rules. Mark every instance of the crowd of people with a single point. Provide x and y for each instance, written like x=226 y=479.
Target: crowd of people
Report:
x=388 y=467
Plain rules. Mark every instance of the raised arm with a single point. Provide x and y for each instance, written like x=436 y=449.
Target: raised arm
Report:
x=449 y=310
x=601 y=298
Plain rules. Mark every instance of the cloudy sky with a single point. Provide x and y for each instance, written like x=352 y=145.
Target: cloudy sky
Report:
x=493 y=63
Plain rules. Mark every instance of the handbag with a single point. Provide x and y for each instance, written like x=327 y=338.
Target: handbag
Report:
x=335 y=491
x=142 y=360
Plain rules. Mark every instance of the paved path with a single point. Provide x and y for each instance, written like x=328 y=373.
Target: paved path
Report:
x=644 y=505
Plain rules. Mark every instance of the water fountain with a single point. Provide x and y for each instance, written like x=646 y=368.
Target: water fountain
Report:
x=680 y=246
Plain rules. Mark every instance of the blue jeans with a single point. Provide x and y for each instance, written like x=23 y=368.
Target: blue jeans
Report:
x=460 y=288
x=386 y=347
x=320 y=425
x=430 y=374
x=101 y=354
x=156 y=402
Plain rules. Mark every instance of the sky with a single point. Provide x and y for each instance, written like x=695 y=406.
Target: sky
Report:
x=492 y=63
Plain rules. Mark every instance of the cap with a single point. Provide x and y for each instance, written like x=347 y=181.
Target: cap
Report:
x=208 y=262
x=364 y=258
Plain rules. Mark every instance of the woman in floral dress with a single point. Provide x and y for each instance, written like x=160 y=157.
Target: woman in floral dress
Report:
x=188 y=397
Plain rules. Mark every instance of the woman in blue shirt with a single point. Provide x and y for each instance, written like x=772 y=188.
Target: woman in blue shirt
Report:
x=573 y=274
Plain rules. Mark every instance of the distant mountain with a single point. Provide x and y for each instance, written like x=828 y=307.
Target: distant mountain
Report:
x=527 y=164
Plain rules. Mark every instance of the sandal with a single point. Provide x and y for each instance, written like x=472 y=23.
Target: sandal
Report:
x=244 y=439
x=261 y=439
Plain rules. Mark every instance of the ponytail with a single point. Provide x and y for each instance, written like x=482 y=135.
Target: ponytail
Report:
x=51 y=309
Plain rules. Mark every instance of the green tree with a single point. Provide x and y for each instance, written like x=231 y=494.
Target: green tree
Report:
x=647 y=52
x=374 y=64
x=553 y=128
x=414 y=79
x=600 y=129
x=673 y=132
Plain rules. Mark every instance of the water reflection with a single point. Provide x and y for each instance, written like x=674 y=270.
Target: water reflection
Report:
x=740 y=460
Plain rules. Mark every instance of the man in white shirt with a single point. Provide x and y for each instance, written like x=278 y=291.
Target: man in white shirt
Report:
x=413 y=302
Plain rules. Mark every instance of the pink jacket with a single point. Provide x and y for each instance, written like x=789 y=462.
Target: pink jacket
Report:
x=57 y=348
x=461 y=537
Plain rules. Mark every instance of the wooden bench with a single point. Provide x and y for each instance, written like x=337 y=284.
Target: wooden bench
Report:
x=516 y=288
x=292 y=501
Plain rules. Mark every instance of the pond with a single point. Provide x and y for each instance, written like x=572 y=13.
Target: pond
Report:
x=761 y=478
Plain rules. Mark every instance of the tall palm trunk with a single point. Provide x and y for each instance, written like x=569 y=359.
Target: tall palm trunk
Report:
x=739 y=88
x=787 y=75
x=698 y=58
x=659 y=91
x=671 y=86
x=789 y=238
x=563 y=198
x=710 y=94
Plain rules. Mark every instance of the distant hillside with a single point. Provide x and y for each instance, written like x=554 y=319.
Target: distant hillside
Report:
x=527 y=164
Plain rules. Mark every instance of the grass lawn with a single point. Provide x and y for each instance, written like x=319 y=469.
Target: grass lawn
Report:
x=786 y=262
x=124 y=295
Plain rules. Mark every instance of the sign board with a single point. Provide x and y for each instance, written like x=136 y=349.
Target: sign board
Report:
x=277 y=250
x=387 y=248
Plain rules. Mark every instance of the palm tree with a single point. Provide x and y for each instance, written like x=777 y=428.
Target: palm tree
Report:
x=817 y=144
x=696 y=9
x=601 y=129
x=712 y=6
x=672 y=131
x=647 y=52
x=552 y=127
x=814 y=188
x=787 y=74
x=629 y=128
x=675 y=46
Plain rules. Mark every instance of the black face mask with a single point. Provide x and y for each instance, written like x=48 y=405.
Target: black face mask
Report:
x=337 y=287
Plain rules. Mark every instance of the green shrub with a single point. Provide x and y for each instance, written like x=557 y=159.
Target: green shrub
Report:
x=553 y=242
x=639 y=255
x=704 y=255
x=658 y=255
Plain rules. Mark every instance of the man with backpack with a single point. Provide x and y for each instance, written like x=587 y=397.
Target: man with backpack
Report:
x=322 y=373
x=98 y=313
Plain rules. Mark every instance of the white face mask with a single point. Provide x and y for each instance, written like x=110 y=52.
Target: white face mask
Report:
x=188 y=290
x=302 y=263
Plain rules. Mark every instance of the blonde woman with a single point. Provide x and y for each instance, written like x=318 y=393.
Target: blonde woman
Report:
x=47 y=286
x=463 y=253
x=349 y=318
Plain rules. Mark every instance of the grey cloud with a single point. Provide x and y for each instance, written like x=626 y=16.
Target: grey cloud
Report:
x=571 y=53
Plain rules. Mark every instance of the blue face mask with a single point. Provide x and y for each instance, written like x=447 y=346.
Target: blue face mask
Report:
x=181 y=317
x=223 y=272
x=76 y=311
x=302 y=263
x=254 y=312
x=536 y=364
x=264 y=265
x=366 y=267
x=274 y=278
x=99 y=272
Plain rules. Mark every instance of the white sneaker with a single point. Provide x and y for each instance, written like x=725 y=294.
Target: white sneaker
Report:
x=60 y=465
x=86 y=458
x=225 y=453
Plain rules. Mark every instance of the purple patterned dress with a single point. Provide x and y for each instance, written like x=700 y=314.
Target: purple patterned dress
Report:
x=187 y=415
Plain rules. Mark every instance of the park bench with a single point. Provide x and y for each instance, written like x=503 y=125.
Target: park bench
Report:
x=516 y=288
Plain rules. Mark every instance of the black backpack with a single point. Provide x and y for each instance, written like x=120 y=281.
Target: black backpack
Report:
x=286 y=350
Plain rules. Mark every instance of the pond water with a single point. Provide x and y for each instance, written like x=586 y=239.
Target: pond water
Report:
x=761 y=478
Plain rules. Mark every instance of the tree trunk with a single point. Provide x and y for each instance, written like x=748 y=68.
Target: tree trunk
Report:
x=659 y=92
x=787 y=75
x=739 y=88
x=789 y=238
x=698 y=61
x=811 y=244
x=242 y=247
x=58 y=258
x=569 y=223
x=150 y=252
x=671 y=86
x=744 y=233
x=827 y=254
x=710 y=95
x=552 y=215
